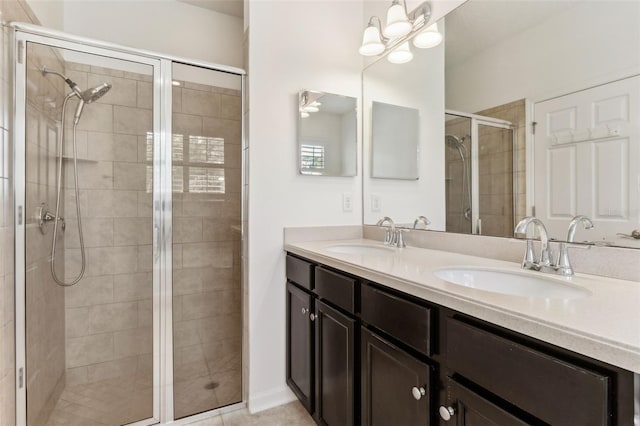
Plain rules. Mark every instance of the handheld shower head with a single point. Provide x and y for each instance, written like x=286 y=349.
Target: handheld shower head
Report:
x=89 y=96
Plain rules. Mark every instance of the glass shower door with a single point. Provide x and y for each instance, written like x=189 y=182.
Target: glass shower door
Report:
x=207 y=199
x=88 y=296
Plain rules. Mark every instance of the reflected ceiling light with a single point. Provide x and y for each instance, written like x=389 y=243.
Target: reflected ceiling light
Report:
x=401 y=55
x=429 y=37
x=175 y=83
x=400 y=26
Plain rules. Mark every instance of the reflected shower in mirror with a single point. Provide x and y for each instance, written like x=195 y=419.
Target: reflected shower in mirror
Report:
x=568 y=99
x=327 y=134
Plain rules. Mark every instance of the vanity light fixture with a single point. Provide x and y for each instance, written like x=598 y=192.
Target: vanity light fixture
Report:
x=400 y=26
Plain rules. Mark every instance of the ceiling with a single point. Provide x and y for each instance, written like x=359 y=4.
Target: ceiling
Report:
x=479 y=24
x=228 y=7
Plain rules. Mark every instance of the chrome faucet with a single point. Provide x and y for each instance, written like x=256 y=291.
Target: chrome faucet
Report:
x=563 y=264
x=392 y=236
x=422 y=219
x=529 y=261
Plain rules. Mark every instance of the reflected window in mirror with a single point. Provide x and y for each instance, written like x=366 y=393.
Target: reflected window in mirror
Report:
x=327 y=134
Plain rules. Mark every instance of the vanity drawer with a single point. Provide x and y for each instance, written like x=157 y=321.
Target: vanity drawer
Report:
x=404 y=320
x=336 y=288
x=551 y=389
x=300 y=272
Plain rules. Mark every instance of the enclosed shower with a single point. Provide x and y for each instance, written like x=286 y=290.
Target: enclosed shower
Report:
x=129 y=204
x=480 y=174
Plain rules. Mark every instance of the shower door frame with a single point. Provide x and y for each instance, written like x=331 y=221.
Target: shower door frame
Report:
x=476 y=121
x=162 y=65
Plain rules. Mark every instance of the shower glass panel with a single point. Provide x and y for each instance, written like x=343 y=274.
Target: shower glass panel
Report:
x=458 y=176
x=89 y=344
x=495 y=180
x=207 y=199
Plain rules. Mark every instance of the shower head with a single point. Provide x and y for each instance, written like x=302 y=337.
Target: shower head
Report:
x=95 y=93
x=453 y=141
x=89 y=96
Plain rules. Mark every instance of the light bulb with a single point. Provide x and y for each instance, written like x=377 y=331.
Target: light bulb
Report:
x=398 y=24
x=371 y=42
x=402 y=54
x=430 y=37
x=304 y=114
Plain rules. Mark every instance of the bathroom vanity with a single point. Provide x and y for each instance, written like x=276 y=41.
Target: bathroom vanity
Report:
x=373 y=338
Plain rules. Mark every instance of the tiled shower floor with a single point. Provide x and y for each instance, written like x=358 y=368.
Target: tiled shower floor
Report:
x=127 y=399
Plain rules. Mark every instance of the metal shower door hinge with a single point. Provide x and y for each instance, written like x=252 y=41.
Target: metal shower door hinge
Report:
x=21 y=377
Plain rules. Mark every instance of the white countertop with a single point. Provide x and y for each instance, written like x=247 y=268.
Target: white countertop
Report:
x=604 y=326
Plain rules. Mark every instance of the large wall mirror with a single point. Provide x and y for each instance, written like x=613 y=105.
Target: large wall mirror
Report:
x=540 y=115
x=327 y=134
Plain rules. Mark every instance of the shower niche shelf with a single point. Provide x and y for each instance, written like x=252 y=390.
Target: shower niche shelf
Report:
x=80 y=160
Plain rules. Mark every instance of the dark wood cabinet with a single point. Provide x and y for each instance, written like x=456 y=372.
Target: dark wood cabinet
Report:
x=360 y=353
x=466 y=408
x=396 y=387
x=335 y=361
x=300 y=345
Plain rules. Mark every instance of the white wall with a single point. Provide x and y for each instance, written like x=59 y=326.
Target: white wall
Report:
x=292 y=45
x=164 y=26
x=591 y=43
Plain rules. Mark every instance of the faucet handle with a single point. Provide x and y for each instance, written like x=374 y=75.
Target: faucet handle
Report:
x=529 y=256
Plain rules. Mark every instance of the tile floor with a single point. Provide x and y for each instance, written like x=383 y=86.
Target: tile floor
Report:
x=292 y=414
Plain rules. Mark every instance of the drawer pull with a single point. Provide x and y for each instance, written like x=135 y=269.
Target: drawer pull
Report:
x=446 y=412
x=418 y=392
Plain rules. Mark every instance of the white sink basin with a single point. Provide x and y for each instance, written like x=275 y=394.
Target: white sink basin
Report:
x=358 y=249
x=511 y=283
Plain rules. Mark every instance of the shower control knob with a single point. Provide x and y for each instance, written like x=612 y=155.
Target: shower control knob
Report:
x=446 y=412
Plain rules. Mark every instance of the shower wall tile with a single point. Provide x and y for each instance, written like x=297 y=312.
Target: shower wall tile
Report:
x=98 y=232
x=126 y=148
x=137 y=341
x=95 y=117
x=93 y=291
x=187 y=124
x=89 y=350
x=144 y=95
x=94 y=175
x=132 y=121
x=230 y=107
x=96 y=319
x=100 y=146
x=229 y=130
x=106 y=71
x=110 y=369
x=200 y=103
x=132 y=231
x=130 y=287
x=187 y=229
x=131 y=176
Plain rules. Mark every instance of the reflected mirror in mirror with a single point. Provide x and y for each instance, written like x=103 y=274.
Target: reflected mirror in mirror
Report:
x=541 y=117
x=327 y=134
x=394 y=141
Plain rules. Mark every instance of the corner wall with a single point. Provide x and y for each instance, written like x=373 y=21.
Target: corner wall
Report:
x=294 y=45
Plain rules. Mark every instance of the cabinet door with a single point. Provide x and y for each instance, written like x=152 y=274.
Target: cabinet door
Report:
x=300 y=345
x=467 y=408
x=335 y=342
x=396 y=387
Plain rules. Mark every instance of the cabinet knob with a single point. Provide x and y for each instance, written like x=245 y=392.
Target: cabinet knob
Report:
x=312 y=317
x=446 y=412
x=304 y=311
x=418 y=392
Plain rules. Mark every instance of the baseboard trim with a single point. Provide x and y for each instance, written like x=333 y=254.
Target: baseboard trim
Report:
x=268 y=399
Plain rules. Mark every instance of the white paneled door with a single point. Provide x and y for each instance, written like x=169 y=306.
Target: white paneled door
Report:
x=587 y=150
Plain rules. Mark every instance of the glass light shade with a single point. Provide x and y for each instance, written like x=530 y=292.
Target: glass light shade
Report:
x=398 y=24
x=304 y=114
x=371 y=42
x=310 y=108
x=429 y=37
x=402 y=54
